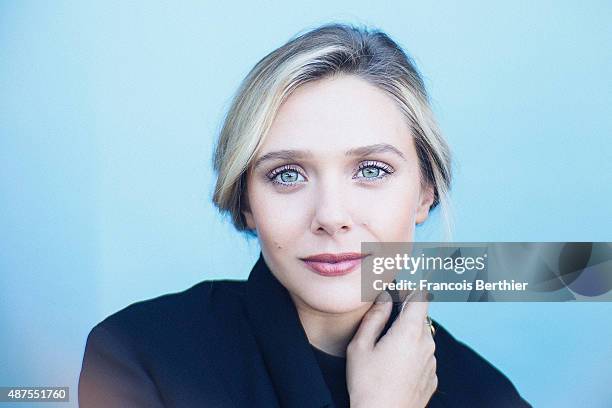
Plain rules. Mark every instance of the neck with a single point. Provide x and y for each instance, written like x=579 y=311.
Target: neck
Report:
x=329 y=332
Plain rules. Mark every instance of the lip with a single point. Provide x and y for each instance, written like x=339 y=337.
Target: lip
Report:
x=334 y=264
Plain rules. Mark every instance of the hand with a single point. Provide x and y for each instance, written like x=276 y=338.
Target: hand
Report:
x=400 y=369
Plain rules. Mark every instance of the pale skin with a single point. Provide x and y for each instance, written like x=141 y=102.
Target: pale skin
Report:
x=332 y=192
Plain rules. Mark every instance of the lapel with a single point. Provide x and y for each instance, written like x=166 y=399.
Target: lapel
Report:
x=288 y=356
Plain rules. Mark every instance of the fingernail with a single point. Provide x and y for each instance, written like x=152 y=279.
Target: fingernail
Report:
x=383 y=297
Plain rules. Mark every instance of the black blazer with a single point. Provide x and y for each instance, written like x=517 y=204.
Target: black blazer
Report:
x=230 y=343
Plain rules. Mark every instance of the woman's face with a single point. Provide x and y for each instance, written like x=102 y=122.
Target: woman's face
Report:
x=346 y=172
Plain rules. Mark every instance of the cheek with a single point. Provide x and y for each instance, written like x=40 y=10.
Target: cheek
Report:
x=275 y=220
x=392 y=218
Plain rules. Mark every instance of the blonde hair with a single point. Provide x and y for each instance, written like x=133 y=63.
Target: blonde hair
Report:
x=323 y=52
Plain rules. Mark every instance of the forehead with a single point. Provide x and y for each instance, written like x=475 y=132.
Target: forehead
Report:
x=337 y=114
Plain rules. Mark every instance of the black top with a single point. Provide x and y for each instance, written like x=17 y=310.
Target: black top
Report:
x=334 y=373
x=233 y=343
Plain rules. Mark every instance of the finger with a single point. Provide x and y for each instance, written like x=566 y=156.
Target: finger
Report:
x=404 y=295
x=430 y=375
x=414 y=309
x=373 y=322
x=408 y=296
x=431 y=364
x=432 y=384
x=429 y=345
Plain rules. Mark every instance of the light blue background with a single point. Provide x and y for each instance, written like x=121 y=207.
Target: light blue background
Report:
x=108 y=112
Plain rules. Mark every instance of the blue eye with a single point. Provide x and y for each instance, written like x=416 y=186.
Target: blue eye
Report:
x=285 y=176
x=374 y=171
x=370 y=172
x=289 y=176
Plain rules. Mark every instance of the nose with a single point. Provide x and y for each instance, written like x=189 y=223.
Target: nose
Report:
x=331 y=215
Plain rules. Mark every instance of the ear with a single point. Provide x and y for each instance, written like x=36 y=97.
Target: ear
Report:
x=425 y=202
x=248 y=216
x=246 y=207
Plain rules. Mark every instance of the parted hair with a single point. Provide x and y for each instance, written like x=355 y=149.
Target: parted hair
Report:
x=326 y=51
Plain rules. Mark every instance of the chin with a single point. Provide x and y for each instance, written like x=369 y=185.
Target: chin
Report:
x=332 y=298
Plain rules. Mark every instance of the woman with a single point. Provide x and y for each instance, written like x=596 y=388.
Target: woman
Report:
x=329 y=142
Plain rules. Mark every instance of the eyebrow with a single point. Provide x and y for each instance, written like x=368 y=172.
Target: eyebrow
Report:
x=354 y=152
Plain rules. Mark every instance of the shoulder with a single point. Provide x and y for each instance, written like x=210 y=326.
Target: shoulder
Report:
x=132 y=352
x=468 y=377
x=171 y=320
x=179 y=310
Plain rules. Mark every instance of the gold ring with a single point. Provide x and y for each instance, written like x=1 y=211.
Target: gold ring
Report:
x=429 y=323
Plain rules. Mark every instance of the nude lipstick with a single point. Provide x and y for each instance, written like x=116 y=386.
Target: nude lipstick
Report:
x=334 y=264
